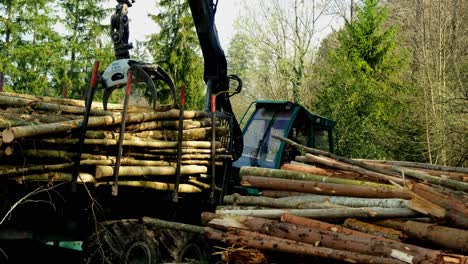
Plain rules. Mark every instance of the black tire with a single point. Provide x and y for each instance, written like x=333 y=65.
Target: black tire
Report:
x=183 y=247
x=121 y=242
x=131 y=242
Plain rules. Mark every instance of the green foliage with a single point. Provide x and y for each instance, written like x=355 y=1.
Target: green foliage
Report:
x=29 y=45
x=360 y=88
x=82 y=44
x=41 y=52
x=176 y=49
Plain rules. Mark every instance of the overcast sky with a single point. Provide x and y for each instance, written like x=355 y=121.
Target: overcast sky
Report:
x=141 y=25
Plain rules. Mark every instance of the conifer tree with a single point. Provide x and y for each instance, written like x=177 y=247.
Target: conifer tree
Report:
x=86 y=39
x=177 y=50
x=29 y=44
x=360 y=88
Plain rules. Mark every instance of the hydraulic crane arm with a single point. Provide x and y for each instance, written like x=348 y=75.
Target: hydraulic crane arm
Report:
x=215 y=65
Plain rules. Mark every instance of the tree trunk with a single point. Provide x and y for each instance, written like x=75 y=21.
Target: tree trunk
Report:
x=46 y=129
x=283 y=174
x=367 y=212
x=108 y=171
x=55 y=177
x=419 y=165
x=450 y=238
x=311 y=169
x=157 y=223
x=343 y=166
x=323 y=188
x=336 y=157
x=375 y=230
x=34 y=169
x=276 y=203
x=136 y=143
x=162 y=186
x=335 y=239
x=458 y=185
x=302 y=201
x=284 y=245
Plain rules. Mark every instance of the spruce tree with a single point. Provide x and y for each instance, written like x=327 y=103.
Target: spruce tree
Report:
x=360 y=87
x=177 y=50
x=29 y=45
x=86 y=40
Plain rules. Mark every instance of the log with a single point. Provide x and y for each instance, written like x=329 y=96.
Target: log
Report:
x=125 y=161
x=367 y=212
x=447 y=237
x=187 y=134
x=375 y=230
x=336 y=157
x=161 y=224
x=161 y=186
x=280 y=194
x=343 y=166
x=55 y=177
x=74 y=102
x=458 y=176
x=50 y=107
x=419 y=165
x=375 y=246
x=456 y=213
x=275 y=203
x=167 y=124
x=311 y=169
x=67 y=126
x=323 y=188
x=34 y=169
x=136 y=143
x=302 y=201
x=458 y=185
x=108 y=171
x=283 y=245
x=275 y=173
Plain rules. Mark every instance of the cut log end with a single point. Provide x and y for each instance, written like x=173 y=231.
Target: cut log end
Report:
x=8 y=135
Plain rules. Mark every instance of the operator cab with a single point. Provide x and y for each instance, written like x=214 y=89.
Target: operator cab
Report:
x=285 y=119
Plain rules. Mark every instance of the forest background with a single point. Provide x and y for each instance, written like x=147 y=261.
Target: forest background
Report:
x=393 y=76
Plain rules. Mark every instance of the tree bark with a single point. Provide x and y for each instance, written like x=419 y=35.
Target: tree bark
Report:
x=367 y=212
x=419 y=165
x=283 y=174
x=46 y=129
x=447 y=237
x=323 y=188
x=137 y=143
x=34 y=169
x=276 y=203
x=157 y=223
x=302 y=201
x=311 y=169
x=456 y=213
x=336 y=157
x=375 y=230
x=162 y=186
x=343 y=166
x=55 y=177
x=284 y=245
x=108 y=171
x=335 y=239
x=459 y=185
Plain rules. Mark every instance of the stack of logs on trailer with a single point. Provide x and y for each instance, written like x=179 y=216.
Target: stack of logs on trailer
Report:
x=39 y=140
x=348 y=210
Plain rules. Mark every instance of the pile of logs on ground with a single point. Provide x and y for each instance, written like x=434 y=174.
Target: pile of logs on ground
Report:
x=39 y=143
x=347 y=210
